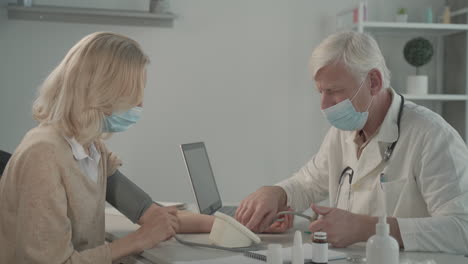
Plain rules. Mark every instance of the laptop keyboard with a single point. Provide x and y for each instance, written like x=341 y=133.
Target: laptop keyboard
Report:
x=229 y=210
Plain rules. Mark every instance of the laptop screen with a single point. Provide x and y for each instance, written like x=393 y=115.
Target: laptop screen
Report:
x=201 y=176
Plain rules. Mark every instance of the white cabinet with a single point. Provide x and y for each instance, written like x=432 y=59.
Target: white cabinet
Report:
x=88 y=12
x=447 y=71
x=127 y=5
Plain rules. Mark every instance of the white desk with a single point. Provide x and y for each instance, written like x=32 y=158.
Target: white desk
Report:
x=171 y=251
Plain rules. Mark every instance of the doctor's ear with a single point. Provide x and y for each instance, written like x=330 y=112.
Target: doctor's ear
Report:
x=375 y=77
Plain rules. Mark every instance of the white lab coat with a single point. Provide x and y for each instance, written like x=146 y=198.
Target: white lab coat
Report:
x=426 y=178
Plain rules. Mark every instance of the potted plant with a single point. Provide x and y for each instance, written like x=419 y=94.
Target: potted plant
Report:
x=418 y=52
x=401 y=16
x=159 y=6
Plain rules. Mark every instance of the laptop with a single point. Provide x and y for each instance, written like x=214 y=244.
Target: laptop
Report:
x=203 y=181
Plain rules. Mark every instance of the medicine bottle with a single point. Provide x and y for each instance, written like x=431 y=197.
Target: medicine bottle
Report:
x=274 y=254
x=320 y=248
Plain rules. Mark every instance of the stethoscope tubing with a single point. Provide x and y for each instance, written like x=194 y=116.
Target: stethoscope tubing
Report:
x=387 y=155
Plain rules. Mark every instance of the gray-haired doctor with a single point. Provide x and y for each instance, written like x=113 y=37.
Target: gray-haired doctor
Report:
x=382 y=155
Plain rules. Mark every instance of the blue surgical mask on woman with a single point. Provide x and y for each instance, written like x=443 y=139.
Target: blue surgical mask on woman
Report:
x=119 y=122
x=344 y=116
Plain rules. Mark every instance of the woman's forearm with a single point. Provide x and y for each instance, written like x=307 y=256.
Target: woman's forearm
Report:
x=194 y=223
x=125 y=246
x=189 y=222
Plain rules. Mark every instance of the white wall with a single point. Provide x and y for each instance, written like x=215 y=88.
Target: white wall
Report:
x=230 y=73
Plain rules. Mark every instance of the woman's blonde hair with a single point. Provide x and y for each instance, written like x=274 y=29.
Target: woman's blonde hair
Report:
x=103 y=73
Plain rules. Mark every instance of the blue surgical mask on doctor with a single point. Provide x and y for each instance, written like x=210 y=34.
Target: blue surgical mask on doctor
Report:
x=118 y=122
x=344 y=116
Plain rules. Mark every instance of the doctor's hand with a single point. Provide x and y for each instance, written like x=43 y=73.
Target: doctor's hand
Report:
x=281 y=226
x=258 y=211
x=343 y=228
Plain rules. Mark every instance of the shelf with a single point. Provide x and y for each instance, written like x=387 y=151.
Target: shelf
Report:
x=421 y=28
x=90 y=15
x=437 y=97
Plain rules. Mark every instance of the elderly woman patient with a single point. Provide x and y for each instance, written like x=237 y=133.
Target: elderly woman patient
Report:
x=53 y=190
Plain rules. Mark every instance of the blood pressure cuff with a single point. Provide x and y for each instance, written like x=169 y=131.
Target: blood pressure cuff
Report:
x=4 y=157
x=127 y=197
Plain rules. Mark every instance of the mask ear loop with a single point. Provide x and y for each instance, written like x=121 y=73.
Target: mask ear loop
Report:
x=362 y=83
x=360 y=86
x=368 y=107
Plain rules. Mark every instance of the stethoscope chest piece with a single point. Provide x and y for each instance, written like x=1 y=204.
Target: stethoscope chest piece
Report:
x=388 y=153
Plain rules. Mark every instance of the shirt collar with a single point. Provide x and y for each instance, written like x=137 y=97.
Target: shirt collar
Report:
x=389 y=128
x=79 y=153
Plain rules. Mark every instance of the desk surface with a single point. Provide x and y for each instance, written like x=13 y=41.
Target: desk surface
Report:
x=171 y=251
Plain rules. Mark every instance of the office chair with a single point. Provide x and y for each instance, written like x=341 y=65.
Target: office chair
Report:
x=4 y=157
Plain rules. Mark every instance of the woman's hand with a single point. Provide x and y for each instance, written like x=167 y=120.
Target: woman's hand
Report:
x=157 y=224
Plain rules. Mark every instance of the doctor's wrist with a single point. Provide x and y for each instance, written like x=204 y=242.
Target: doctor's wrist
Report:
x=282 y=197
x=366 y=227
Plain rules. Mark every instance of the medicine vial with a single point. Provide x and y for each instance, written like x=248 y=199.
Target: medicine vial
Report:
x=320 y=248
x=274 y=254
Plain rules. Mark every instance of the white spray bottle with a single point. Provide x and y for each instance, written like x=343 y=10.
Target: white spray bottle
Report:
x=382 y=248
x=297 y=251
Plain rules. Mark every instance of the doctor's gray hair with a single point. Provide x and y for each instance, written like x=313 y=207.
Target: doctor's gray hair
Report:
x=359 y=52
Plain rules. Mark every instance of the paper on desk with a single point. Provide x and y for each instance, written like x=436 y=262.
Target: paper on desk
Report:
x=112 y=211
x=332 y=254
x=226 y=260
x=178 y=205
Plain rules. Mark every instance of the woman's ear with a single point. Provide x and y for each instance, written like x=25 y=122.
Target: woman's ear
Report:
x=376 y=81
x=107 y=110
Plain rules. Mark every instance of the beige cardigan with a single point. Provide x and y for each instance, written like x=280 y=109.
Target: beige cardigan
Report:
x=50 y=212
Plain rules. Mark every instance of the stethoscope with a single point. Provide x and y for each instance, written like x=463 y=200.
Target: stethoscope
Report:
x=349 y=172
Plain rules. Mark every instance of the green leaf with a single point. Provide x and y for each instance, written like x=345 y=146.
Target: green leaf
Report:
x=418 y=51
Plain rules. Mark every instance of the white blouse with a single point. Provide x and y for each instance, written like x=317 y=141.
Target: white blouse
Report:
x=88 y=163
